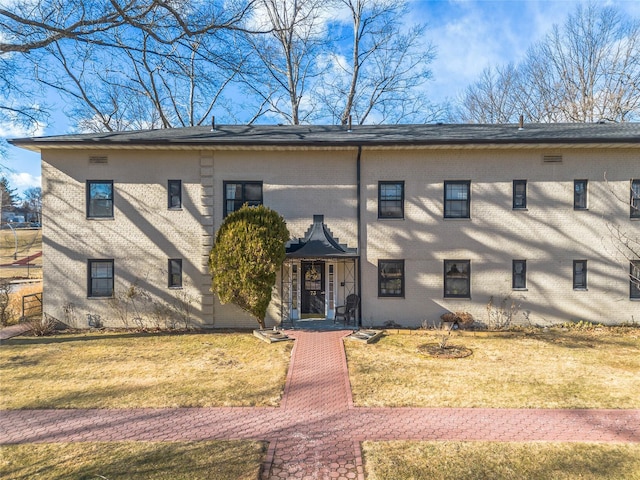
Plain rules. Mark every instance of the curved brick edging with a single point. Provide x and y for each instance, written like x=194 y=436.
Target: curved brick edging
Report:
x=316 y=432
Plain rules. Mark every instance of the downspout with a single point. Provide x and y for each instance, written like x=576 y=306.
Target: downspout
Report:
x=359 y=226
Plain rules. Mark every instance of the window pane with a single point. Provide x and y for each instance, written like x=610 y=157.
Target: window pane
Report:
x=99 y=198
x=175 y=194
x=519 y=194
x=579 y=274
x=175 y=273
x=253 y=193
x=635 y=199
x=580 y=194
x=390 y=200
x=239 y=193
x=391 y=278
x=456 y=199
x=519 y=274
x=100 y=278
x=457 y=278
x=634 y=280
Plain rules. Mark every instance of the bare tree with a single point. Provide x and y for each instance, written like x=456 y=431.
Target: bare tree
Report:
x=123 y=64
x=149 y=85
x=382 y=72
x=587 y=70
x=282 y=64
x=28 y=25
x=33 y=201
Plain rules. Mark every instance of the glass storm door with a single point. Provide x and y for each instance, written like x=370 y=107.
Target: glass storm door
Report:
x=312 y=295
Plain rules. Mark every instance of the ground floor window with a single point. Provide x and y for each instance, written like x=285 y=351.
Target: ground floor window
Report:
x=391 y=278
x=100 y=278
x=634 y=280
x=175 y=273
x=457 y=278
x=519 y=275
x=580 y=274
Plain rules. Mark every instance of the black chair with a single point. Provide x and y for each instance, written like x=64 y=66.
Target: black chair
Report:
x=347 y=311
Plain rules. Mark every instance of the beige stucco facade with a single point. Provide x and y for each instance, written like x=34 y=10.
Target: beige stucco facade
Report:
x=300 y=182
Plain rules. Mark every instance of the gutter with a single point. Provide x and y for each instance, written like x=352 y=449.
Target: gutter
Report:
x=359 y=227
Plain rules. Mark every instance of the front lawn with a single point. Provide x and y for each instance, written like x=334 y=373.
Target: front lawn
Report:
x=135 y=370
x=214 y=460
x=500 y=461
x=558 y=368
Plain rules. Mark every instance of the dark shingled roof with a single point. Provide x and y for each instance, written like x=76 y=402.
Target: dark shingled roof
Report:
x=318 y=242
x=337 y=136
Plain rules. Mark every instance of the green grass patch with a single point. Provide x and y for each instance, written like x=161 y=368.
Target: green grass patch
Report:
x=211 y=460
x=500 y=461
x=554 y=369
x=135 y=370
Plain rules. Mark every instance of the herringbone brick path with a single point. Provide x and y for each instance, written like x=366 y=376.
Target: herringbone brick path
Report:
x=316 y=433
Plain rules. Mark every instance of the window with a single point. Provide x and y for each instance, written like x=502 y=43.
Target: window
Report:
x=237 y=194
x=634 y=280
x=175 y=273
x=519 y=274
x=174 y=193
x=457 y=199
x=635 y=199
x=390 y=199
x=99 y=199
x=519 y=194
x=580 y=194
x=391 y=278
x=580 y=274
x=100 y=278
x=457 y=278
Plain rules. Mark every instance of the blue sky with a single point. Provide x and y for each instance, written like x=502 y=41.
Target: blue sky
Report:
x=469 y=35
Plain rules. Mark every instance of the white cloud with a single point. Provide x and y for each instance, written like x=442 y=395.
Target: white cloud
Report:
x=474 y=34
x=24 y=180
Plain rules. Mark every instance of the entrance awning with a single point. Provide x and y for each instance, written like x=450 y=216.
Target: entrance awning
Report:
x=319 y=242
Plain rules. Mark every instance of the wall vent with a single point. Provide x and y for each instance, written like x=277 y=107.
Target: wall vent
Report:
x=552 y=159
x=97 y=160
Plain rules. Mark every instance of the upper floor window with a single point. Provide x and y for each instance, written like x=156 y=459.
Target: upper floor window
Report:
x=238 y=193
x=457 y=199
x=99 y=198
x=100 y=278
x=457 y=278
x=519 y=194
x=174 y=193
x=519 y=274
x=390 y=199
x=580 y=274
x=580 y=194
x=391 y=278
x=635 y=199
x=634 y=280
x=175 y=273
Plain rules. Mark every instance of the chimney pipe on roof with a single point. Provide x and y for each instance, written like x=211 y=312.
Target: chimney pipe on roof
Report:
x=213 y=123
x=349 y=129
x=521 y=127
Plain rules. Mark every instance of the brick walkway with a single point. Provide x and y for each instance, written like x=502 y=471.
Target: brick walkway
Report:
x=316 y=433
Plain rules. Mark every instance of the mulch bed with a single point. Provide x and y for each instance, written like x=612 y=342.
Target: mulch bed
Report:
x=449 y=351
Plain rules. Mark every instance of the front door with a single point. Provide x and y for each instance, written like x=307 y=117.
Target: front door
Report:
x=312 y=295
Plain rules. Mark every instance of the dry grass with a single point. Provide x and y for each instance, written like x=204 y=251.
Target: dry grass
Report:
x=29 y=243
x=120 y=370
x=14 y=310
x=555 y=369
x=215 y=460
x=500 y=461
